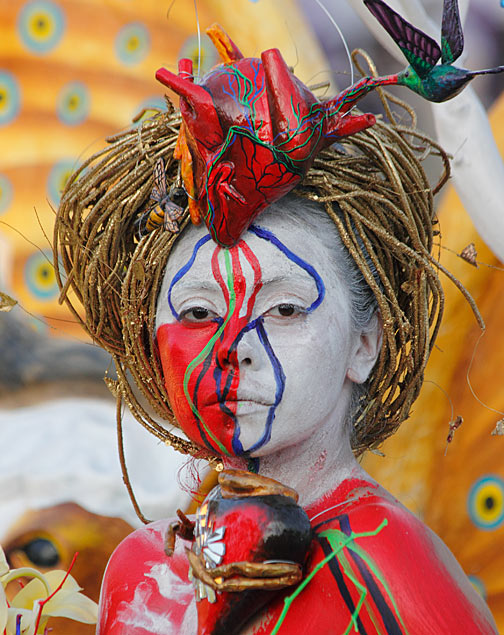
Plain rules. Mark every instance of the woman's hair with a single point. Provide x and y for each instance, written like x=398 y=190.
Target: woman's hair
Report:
x=371 y=186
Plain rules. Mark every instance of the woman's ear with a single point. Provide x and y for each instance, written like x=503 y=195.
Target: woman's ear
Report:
x=366 y=351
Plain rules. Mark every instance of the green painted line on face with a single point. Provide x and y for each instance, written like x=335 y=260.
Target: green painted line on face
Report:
x=196 y=361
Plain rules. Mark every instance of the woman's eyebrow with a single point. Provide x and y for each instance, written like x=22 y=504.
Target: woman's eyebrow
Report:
x=195 y=285
x=289 y=278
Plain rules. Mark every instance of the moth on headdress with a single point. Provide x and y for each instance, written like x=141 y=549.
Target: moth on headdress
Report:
x=251 y=130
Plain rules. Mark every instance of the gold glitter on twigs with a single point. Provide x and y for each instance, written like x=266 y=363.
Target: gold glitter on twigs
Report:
x=386 y=220
x=499 y=428
x=6 y=302
x=469 y=254
x=122 y=460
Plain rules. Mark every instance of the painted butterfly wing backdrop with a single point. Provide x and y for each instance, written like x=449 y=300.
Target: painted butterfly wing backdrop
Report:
x=72 y=73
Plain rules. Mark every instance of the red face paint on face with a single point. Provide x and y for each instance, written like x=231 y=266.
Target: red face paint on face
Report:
x=199 y=355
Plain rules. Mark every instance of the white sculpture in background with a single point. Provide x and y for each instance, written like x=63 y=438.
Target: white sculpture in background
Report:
x=66 y=450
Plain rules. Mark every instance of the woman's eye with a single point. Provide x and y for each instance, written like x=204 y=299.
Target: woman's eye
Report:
x=285 y=310
x=197 y=314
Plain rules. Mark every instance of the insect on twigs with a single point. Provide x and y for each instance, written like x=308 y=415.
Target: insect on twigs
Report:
x=453 y=426
x=167 y=207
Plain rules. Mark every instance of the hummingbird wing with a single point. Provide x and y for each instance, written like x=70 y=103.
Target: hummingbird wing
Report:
x=421 y=51
x=452 y=38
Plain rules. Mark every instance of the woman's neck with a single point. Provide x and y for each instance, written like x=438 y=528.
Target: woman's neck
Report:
x=313 y=466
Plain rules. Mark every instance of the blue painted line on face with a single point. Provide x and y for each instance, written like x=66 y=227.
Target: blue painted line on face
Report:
x=183 y=270
x=207 y=361
x=263 y=233
x=280 y=385
x=236 y=444
x=279 y=376
x=258 y=325
x=222 y=394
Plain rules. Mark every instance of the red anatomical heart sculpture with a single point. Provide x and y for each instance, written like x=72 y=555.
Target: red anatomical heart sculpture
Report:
x=250 y=132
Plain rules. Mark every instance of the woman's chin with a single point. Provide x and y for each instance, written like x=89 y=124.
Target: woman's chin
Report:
x=252 y=420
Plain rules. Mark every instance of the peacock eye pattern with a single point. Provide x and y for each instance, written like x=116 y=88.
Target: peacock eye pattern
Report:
x=10 y=97
x=41 y=26
x=40 y=277
x=486 y=502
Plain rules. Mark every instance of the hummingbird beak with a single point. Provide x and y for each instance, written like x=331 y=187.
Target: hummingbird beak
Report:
x=388 y=80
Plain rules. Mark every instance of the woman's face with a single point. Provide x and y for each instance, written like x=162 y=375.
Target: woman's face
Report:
x=255 y=341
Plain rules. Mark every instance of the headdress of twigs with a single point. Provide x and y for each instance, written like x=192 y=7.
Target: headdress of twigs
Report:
x=386 y=219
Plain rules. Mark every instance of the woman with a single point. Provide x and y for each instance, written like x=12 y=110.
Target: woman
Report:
x=288 y=350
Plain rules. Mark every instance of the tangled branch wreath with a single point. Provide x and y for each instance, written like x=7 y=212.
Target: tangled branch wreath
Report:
x=386 y=203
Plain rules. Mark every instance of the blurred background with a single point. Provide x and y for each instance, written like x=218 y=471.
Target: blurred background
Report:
x=73 y=72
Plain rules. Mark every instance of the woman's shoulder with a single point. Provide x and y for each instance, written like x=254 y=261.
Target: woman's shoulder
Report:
x=363 y=507
x=373 y=562
x=144 y=590
x=147 y=540
x=370 y=541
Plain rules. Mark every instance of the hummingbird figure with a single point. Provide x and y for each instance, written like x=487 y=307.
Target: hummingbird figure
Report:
x=433 y=81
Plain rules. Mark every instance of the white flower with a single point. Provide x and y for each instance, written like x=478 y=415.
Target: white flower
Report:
x=54 y=594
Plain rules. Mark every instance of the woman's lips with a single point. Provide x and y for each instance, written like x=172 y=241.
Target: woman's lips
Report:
x=241 y=404
x=248 y=406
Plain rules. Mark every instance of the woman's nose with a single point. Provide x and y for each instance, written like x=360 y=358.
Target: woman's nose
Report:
x=226 y=358
x=246 y=353
x=249 y=351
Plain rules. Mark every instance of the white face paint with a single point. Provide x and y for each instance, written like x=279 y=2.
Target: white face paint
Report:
x=257 y=345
